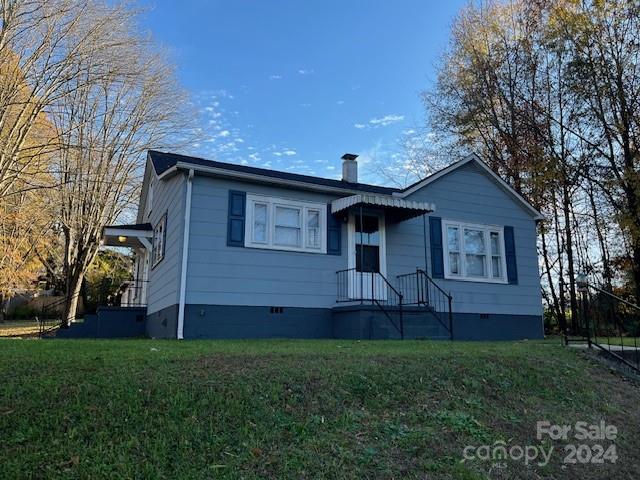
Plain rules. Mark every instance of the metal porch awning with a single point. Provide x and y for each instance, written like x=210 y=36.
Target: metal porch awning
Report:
x=396 y=209
x=135 y=236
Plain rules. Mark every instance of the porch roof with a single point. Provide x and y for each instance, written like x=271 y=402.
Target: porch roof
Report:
x=134 y=236
x=397 y=209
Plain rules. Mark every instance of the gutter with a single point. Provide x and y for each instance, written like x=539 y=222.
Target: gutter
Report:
x=185 y=258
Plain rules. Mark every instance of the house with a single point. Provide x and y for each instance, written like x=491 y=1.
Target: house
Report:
x=233 y=251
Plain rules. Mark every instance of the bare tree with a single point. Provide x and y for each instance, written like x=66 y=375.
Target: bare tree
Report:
x=44 y=45
x=105 y=124
x=524 y=84
x=605 y=37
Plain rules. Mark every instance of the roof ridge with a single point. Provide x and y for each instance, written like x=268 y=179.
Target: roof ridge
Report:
x=162 y=161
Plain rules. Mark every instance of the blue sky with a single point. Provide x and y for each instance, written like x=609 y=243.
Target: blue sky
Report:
x=292 y=85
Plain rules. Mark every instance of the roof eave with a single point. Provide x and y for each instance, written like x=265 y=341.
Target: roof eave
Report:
x=254 y=177
x=535 y=213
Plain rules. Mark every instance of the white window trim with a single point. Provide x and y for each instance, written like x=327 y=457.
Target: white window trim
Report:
x=271 y=203
x=487 y=229
x=149 y=204
x=352 y=238
x=161 y=239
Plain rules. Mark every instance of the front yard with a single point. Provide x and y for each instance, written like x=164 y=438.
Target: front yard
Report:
x=300 y=409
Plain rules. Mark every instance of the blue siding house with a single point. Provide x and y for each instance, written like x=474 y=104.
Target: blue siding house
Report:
x=232 y=251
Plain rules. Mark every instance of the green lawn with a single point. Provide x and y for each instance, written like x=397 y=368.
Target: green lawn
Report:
x=298 y=409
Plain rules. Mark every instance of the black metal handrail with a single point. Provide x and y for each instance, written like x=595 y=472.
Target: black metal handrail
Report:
x=356 y=286
x=371 y=288
x=51 y=310
x=606 y=317
x=130 y=294
x=420 y=289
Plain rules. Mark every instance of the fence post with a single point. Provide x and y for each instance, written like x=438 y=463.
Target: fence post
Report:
x=583 y=287
x=586 y=317
x=450 y=318
x=373 y=279
x=401 y=320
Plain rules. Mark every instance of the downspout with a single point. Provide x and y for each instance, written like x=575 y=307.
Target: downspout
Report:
x=185 y=257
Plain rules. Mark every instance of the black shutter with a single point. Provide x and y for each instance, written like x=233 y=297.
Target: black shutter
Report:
x=334 y=233
x=510 y=255
x=235 y=222
x=435 y=240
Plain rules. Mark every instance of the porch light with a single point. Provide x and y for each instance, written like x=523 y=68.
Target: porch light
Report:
x=122 y=238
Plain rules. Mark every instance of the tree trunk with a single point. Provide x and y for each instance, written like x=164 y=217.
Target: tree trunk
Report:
x=74 y=284
x=636 y=271
x=607 y=273
x=573 y=299
x=562 y=320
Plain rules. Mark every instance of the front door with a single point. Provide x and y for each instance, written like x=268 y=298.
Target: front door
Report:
x=367 y=256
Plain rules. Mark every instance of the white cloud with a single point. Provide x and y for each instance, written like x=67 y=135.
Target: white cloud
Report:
x=224 y=133
x=287 y=152
x=275 y=77
x=304 y=71
x=381 y=121
x=305 y=105
x=255 y=157
x=386 y=120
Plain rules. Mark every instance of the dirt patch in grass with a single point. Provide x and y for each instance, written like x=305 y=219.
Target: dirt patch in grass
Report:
x=19 y=329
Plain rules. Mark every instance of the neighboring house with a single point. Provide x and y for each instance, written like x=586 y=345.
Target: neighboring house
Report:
x=231 y=251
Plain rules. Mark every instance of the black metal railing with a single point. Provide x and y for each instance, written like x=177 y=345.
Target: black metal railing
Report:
x=371 y=288
x=47 y=326
x=419 y=289
x=53 y=310
x=608 y=323
x=131 y=294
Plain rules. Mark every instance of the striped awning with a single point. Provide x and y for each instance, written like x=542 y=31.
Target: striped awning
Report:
x=398 y=208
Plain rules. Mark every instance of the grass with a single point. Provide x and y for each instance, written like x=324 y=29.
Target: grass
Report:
x=298 y=409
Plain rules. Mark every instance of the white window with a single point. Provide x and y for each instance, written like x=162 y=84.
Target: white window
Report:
x=260 y=222
x=149 y=204
x=282 y=224
x=314 y=239
x=159 y=235
x=474 y=252
x=287 y=226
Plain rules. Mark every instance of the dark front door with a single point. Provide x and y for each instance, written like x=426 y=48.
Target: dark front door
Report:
x=367 y=250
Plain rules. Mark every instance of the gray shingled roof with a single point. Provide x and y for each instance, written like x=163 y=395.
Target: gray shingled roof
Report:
x=163 y=161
